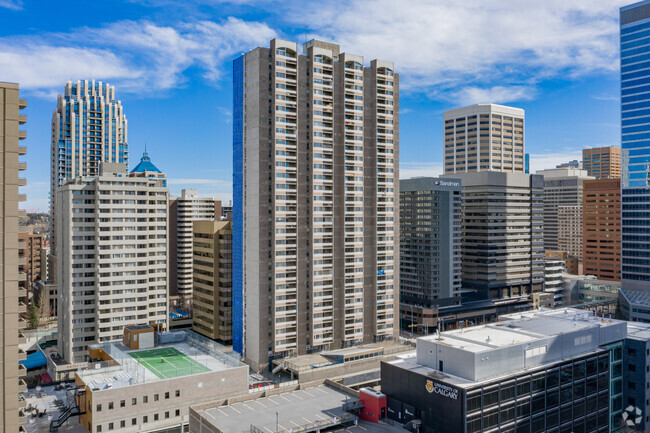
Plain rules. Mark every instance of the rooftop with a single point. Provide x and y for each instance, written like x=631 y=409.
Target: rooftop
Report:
x=637 y=297
x=145 y=165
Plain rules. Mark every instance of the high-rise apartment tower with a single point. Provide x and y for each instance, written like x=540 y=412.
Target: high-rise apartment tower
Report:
x=602 y=162
x=315 y=225
x=112 y=264
x=484 y=137
x=601 y=220
x=12 y=275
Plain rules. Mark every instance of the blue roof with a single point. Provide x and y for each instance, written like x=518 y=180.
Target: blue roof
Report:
x=145 y=165
x=36 y=359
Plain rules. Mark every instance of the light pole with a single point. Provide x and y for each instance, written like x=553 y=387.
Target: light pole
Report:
x=277 y=422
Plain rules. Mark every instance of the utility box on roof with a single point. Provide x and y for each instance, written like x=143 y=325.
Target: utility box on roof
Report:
x=138 y=337
x=374 y=405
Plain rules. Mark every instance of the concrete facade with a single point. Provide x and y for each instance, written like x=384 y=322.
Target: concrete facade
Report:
x=12 y=259
x=315 y=200
x=484 y=137
x=184 y=210
x=212 y=291
x=502 y=250
x=602 y=162
x=601 y=224
x=112 y=266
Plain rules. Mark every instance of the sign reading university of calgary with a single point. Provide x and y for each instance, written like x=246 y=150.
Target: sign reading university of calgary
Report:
x=444 y=390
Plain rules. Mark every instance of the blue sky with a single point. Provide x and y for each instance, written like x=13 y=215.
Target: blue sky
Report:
x=171 y=63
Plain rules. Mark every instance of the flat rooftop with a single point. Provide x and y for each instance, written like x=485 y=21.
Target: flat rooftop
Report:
x=519 y=328
x=162 y=362
x=295 y=410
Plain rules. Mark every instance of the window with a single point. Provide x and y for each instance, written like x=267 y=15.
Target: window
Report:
x=110 y=426
x=122 y=403
x=99 y=428
x=579 y=341
x=535 y=351
x=145 y=399
x=155 y=397
x=166 y=396
x=166 y=415
x=178 y=412
x=134 y=421
x=110 y=405
x=134 y=401
x=122 y=424
x=99 y=408
x=145 y=419
x=155 y=417
x=178 y=393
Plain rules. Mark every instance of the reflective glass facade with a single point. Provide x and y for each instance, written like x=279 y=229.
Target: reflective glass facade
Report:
x=237 y=211
x=635 y=143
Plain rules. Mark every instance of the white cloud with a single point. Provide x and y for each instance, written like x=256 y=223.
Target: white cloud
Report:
x=138 y=56
x=497 y=94
x=420 y=169
x=15 y=5
x=441 y=45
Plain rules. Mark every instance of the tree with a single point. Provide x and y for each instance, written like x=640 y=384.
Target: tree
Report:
x=33 y=319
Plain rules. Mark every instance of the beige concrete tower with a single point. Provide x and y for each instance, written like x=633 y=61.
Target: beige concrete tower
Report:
x=212 y=291
x=112 y=264
x=484 y=137
x=315 y=200
x=12 y=260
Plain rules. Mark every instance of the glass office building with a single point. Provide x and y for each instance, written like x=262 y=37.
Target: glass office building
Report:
x=635 y=143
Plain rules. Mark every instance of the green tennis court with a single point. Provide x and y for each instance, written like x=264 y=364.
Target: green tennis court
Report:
x=168 y=362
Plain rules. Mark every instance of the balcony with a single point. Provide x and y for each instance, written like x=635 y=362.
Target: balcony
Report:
x=22 y=135
x=22 y=103
x=22 y=417
x=22 y=324
x=22 y=386
x=22 y=371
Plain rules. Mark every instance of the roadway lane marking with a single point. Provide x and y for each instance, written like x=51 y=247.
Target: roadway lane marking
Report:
x=290 y=401
x=249 y=408
x=260 y=403
x=233 y=408
x=311 y=395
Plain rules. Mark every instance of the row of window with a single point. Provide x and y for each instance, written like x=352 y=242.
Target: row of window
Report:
x=134 y=421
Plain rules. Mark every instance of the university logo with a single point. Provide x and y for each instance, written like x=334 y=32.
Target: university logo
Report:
x=632 y=416
x=429 y=385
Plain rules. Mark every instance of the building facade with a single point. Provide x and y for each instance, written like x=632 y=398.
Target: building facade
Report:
x=563 y=190
x=553 y=270
x=12 y=272
x=635 y=145
x=146 y=168
x=484 y=137
x=502 y=242
x=430 y=241
x=315 y=206
x=212 y=291
x=33 y=261
x=183 y=211
x=112 y=266
x=601 y=224
x=552 y=371
x=602 y=162
x=88 y=127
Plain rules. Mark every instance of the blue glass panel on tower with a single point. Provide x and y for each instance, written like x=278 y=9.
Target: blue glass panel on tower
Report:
x=237 y=208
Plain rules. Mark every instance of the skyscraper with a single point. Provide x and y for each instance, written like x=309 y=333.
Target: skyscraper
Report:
x=88 y=127
x=602 y=228
x=563 y=189
x=502 y=242
x=112 y=262
x=635 y=144
x=315 y=232
x=484 y=137
x=146 y=168
x=183 y=211
x=12 y=277
x=602 y=162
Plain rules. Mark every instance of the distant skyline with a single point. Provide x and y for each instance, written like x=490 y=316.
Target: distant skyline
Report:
x=171 y=65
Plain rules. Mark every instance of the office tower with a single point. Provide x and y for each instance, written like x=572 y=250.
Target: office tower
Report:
x=635 y=130
x=212 y=291
x=88 y=127
x=430 y=239
x=602 y=228
x=502 y=243
x=315 y=230
x=571 y=164
x=112 y=263
x=146 y=168
x=602 y=162
x=183 y=211
x=45 y=251
x=12 y=275
x=484 y=137
x=563 y=189
x=33 y=245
